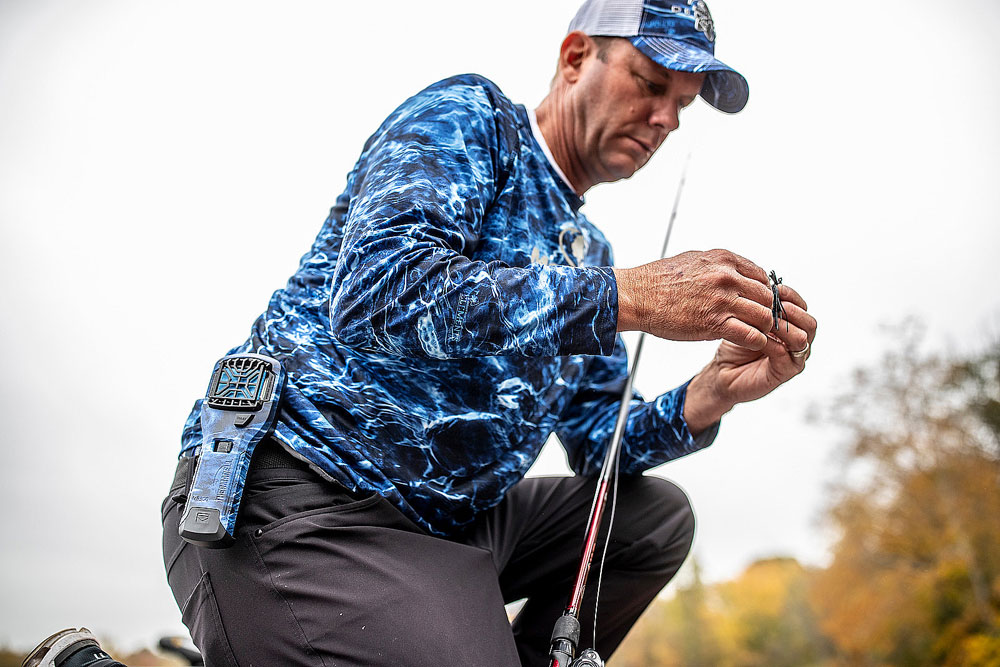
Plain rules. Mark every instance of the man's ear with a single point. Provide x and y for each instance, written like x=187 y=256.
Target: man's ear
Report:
x=575 y=49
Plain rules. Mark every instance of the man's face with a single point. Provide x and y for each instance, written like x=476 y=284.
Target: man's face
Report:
x=625 y=105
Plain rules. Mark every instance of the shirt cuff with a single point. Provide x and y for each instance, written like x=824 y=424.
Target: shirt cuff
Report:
x=590 y=324
x=706 y=437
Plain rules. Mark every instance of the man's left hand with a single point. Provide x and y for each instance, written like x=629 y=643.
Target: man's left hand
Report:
x=737 y=374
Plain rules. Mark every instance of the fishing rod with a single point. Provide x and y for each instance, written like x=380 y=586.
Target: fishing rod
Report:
x=566 y=633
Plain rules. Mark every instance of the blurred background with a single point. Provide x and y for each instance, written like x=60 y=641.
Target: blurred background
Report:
x=849 y=518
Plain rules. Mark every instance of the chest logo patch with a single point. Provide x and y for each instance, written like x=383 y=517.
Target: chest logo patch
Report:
x=538 y=258
x=573 y=240
x=573 y=246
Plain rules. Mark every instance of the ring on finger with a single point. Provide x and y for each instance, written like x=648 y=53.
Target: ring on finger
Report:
x=800 y=354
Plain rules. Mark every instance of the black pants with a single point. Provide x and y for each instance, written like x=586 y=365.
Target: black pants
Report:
x=318 y=576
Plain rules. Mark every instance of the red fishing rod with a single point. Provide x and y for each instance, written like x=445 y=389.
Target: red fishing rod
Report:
x=566 y=634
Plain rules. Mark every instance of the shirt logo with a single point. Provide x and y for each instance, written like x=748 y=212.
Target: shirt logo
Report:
x=571 y=237
x=573 y=246
x=538 y=258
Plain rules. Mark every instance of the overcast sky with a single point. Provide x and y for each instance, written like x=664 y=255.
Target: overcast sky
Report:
x=146 y=147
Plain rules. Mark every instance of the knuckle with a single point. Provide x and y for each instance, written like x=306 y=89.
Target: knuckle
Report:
x=717 y=255
x=724 y=279
x=714 y=279
x=723 y=326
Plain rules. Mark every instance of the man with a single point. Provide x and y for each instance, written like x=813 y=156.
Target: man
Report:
x=455 y=309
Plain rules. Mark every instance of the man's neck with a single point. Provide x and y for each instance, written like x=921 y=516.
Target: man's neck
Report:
x=555 y=123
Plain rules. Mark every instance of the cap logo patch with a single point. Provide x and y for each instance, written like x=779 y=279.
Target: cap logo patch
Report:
x=703 y=20
x=697 y=10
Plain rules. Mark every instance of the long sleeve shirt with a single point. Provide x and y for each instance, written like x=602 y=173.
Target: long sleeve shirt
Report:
x=455 y=309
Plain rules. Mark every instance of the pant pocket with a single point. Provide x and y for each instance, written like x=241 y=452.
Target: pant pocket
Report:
x=200 y=614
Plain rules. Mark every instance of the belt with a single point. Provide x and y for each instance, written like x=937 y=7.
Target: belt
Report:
x=272 y=454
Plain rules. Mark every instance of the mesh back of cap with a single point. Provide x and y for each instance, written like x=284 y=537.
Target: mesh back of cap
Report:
x=611 y=18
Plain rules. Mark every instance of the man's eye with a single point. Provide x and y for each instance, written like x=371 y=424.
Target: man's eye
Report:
x=654 y=88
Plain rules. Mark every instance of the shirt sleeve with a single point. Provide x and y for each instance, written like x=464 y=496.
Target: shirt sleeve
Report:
x=405 y=284
x=656 y=431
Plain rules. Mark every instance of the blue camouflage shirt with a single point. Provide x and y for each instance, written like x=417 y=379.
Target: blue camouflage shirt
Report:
x=455 y=309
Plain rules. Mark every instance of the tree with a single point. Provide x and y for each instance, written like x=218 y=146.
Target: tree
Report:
x=675 y=632
x=761 y=618
x=10 y=658
x=765 y=617
x=915 y=578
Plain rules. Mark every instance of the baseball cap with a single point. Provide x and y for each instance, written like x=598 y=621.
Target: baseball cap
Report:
x=677 y=34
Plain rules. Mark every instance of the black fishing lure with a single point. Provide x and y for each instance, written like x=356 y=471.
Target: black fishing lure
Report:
x=777 y=309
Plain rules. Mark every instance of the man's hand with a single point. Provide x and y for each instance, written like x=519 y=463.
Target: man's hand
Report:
x=697 y=296
x=737 y=374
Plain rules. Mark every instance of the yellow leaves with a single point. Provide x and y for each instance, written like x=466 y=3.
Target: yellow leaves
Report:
x=910 y=582
x=915 y=574
x=762 y=618
x=979 y=651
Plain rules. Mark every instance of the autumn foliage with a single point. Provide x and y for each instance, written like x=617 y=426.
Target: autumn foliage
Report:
x=914 y=577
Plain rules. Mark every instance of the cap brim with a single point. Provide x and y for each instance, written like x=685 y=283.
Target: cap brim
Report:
x=724 y=88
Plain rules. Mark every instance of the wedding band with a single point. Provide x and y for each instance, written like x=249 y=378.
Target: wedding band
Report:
x=801 y=354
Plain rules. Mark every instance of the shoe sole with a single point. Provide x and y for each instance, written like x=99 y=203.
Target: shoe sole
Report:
x=45 y=654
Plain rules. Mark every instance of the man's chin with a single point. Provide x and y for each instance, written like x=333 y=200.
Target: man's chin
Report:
x=625 y=169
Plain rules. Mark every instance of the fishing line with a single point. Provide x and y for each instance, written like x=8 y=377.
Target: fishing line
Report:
x=623 y=414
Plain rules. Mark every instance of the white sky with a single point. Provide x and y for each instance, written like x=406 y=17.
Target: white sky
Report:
x=144 y=144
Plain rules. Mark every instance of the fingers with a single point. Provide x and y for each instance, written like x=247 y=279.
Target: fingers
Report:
x=792 y=340
x=778 y=352
x=749 y=319
x=742 y=334
x=753 y=313
x=785 y=366
x=710 y=295
x=793 y=337
x=790 y=295
x=797 y=318
x=801 y=319
x=751 y=289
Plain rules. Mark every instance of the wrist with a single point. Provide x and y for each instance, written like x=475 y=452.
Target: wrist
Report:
x=703 y=404
x=628 y=310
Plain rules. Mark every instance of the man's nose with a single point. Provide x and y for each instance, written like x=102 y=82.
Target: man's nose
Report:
x=666 y=116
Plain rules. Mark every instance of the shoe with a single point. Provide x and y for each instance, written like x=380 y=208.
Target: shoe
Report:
x=56 y=649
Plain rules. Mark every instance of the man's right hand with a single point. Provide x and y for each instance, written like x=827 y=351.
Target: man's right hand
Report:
x=697 y=296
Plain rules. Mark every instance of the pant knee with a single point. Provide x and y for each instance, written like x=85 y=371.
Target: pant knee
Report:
x=674 y=498
x=658 y=521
